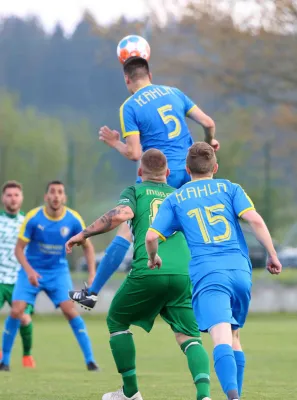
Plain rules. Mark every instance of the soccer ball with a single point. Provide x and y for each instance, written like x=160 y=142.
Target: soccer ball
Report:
x=133 y=45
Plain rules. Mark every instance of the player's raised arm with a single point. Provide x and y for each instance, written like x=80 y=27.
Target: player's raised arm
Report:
x=105 y=223
x=208 y=124
x=131 y=149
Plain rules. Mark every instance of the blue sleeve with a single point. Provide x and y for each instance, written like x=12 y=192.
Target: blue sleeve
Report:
x=188 y=103
x=241 y=201
x=165 y=223
x=128 y=121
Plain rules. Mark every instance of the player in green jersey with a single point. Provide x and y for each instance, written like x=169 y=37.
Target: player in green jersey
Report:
x=11 y=219
x=146 y=293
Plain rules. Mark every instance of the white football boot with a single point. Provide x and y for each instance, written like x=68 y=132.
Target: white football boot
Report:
x=119 y=395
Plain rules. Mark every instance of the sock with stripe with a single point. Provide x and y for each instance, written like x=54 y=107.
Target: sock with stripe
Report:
x=114 y=255
x=226 y=370
x=80 y=331
x=26 y=332
x=240 y=363
x=11 y=328
x=123 y=351
x=198 y=362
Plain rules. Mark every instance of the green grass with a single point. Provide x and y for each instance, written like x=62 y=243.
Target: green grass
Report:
x=269 y=341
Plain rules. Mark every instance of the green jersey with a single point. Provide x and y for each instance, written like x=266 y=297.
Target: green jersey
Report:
x=145 y=199
x=9 y=230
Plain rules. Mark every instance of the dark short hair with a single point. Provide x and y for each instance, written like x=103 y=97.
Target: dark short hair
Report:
x=201 y=158
x=136 y=67
x=55 y=182
x=11 y=184
x=154 y=162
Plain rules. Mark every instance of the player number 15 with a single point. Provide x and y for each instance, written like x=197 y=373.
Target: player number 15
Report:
x=211 y=220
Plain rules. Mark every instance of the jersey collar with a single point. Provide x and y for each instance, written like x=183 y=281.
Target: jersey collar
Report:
x=149 y=84
x=51 y=218
x=201 y=179
x=8 y=215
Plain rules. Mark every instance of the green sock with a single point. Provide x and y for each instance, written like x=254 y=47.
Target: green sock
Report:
x=123 y=351
x=26 y=334
x=198 y=362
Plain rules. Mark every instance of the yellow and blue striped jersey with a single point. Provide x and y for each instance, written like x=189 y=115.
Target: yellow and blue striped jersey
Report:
x=158 y=114
x=46 y=237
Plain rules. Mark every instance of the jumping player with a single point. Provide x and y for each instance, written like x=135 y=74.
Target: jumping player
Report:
x=153 y=117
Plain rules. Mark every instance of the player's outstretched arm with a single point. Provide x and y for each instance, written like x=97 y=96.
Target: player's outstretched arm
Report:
x=33 y=276
x=106 y=223
x=131 y=149
x=208 y=124
x=261 y=232
x=152 y=244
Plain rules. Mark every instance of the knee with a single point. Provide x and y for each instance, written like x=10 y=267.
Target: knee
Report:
x=69 y=310
x=25 y=319
x=116 y=327
x=17 y=309
x=236 y=345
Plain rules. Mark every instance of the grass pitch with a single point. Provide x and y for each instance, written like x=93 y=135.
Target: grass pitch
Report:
x=270 y=342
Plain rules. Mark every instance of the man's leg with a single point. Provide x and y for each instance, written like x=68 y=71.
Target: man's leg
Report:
x=23 y=293
x=212 y=308
x=137 y=302
x=114 y=256
x=57 y=288
x=239 y=358
x=124 y=354
x=26 y=329
x=79 y=329
x=198 y=362
x=224 y=360
x=178 y=313
x=12 y=324
x=26 y=332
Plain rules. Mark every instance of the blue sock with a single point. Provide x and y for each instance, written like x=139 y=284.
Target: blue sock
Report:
x=240 y=362
x=114 y=255
x=80 y=331
x=226 y=370
x=11 y=328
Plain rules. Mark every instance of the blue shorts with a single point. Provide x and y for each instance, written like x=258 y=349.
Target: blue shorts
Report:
x=222 y=297
x=55 y=285
x=176 y=179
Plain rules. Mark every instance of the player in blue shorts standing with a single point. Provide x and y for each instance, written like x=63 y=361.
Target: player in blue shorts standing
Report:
x=41 y=252
x=207 y=211
x=154 y=116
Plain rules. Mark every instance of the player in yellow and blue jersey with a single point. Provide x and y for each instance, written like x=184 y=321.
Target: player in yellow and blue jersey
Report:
x=41 y=252
x=153 y=117
x=207 y=211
